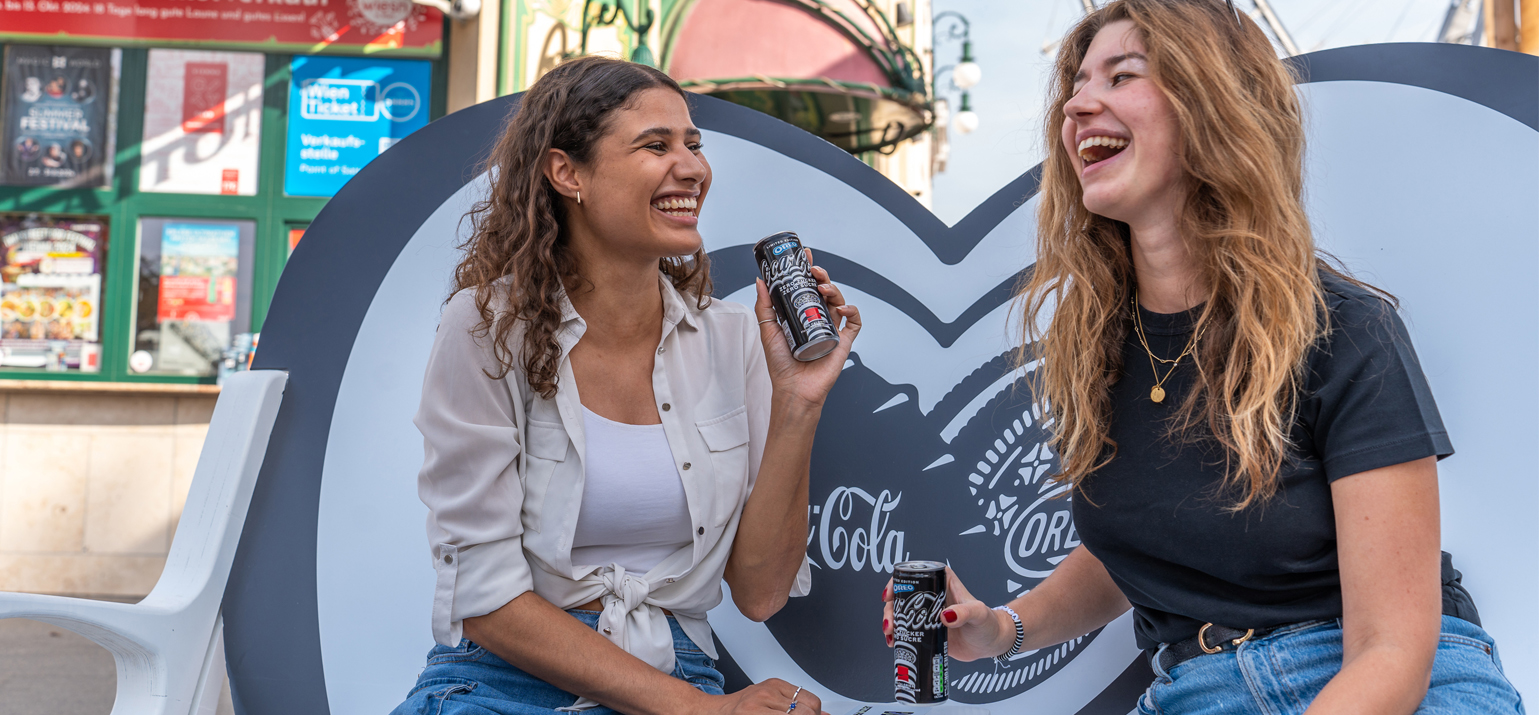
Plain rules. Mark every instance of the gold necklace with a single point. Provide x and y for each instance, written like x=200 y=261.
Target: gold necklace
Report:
x=1157 y=393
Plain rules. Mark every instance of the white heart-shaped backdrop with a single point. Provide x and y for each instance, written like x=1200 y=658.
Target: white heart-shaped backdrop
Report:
x=923 y=424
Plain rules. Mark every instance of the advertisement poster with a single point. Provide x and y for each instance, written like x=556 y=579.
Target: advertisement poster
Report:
x=202 y=122
x=58 y=115
x=50 y=285
x=343 y=112
x=198 y=263
x=395 y=27
x=194 y=293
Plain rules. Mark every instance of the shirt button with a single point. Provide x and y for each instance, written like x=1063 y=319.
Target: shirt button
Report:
x=670 y=580
x=667 y=407
x=686 y=466
x=659 y=350
x=448 y=559
x=700 y=531
x=606 y=631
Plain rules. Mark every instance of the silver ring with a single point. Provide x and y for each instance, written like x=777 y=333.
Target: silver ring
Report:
x=768 y=320
x=793 y=698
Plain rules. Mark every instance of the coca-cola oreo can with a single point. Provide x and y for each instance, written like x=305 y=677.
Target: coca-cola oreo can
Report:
x=799 y=308
x=919 y=639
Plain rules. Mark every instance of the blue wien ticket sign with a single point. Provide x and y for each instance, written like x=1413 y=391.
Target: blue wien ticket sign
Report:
x=343 y=112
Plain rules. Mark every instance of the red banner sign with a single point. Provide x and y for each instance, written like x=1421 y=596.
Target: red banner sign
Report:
x=196 y=298
x=203 y=94
x=386 y=27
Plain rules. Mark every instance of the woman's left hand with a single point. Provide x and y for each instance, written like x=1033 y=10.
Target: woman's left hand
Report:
x=808 y=381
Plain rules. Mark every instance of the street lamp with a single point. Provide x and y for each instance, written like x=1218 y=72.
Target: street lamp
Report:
x=966 y=119
x=612 y=12
x=966 y=74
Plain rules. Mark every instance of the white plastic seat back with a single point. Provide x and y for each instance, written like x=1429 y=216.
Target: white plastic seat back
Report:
x=168 y=647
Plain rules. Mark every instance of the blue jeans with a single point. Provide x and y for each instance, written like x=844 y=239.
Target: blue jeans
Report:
x=1283 y=672
x=468 y=680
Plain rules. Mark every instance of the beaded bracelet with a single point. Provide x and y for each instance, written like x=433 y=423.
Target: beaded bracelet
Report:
x=1020 y=635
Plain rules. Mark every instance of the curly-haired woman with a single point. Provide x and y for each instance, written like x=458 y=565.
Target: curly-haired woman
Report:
x=1251 y=441
x=604 y=442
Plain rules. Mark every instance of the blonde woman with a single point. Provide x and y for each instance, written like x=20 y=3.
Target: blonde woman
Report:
x=1252 y=443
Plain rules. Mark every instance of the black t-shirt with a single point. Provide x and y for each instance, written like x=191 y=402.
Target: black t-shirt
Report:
x=1155 y=519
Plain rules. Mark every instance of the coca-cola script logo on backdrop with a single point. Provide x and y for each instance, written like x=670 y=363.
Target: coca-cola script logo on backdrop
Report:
x=889 y=484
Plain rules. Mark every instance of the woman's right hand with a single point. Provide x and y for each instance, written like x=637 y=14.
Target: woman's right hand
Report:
x=977 y=631
x=771 y=696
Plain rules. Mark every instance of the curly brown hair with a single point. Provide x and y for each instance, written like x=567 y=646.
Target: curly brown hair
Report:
x=519 y=230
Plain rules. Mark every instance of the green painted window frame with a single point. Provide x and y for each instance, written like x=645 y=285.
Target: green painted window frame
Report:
x=123 y=205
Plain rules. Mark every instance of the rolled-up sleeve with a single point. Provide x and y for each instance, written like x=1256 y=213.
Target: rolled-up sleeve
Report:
x=470 y=475
x=758 y=391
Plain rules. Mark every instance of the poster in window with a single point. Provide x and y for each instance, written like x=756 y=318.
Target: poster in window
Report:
x=50 y=285
x=344 y=112
x=202 y=122
x=194 y=293
x=58 y=115
x=198 y=263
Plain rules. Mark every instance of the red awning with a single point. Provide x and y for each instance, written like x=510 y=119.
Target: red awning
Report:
x=723 y=39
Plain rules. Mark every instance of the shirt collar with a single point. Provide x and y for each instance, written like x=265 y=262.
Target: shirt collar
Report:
x=568 y=313
x=675 y=309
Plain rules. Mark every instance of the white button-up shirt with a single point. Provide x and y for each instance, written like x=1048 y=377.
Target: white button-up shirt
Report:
x=503 y=474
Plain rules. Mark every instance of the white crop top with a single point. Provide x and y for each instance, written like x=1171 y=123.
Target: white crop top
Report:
x=633 y=510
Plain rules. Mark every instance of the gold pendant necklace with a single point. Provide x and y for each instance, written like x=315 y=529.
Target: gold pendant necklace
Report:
x=1157 y=393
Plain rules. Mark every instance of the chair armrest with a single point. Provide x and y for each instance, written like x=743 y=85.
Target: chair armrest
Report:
x=118 y=627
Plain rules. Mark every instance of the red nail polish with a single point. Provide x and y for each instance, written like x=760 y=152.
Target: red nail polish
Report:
x=884 y=625
x=889 y=641
x=950 y=616
x=884 y=593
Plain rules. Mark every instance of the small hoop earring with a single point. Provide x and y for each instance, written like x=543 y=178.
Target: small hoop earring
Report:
x=579 y=198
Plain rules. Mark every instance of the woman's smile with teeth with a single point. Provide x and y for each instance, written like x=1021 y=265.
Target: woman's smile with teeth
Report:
x=1100 y=148
x=677 y=205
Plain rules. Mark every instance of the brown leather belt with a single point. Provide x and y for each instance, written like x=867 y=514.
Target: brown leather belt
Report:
x=1209 y=639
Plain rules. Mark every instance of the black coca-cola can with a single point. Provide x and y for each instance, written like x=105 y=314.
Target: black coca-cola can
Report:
x=799 y=308
x=919 y=638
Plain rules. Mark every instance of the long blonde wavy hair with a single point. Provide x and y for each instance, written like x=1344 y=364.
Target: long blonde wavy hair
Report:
x=1242 y=148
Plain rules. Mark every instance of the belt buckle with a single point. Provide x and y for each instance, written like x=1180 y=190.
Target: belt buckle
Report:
x=1202 y=639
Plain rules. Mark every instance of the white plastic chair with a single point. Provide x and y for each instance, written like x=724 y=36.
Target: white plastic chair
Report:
x=169 y=647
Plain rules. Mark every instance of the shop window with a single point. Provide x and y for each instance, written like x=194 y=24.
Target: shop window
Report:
x=194 y=294
x=51 y=291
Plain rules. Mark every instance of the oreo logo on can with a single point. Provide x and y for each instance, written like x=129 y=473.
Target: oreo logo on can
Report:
x=799 y=308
